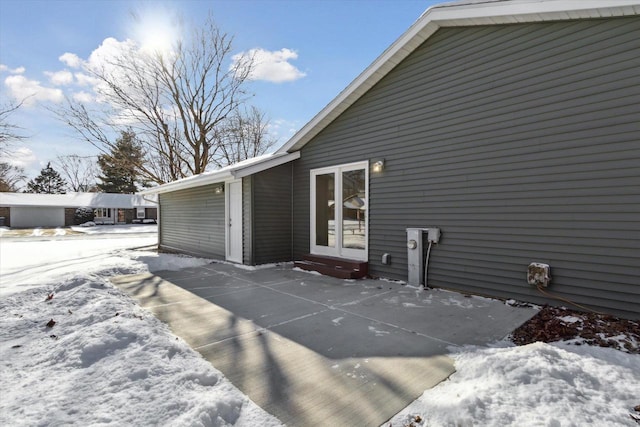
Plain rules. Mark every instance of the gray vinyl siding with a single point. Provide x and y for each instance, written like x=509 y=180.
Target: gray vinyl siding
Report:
x=521 y=142
x=271 y=219
x=192 y=221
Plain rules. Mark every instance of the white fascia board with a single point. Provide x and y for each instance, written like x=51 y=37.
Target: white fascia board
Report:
x=242 y=169
x=276 y=160
x=190 y=182
x=451 y=15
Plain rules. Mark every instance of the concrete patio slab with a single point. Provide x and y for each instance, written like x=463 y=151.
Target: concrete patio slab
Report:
x=314 y=350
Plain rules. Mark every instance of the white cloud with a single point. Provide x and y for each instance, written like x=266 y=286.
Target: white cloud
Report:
x=85 y=79
x=109 y=52
x=283 y=129
x=83 y=97
x=22 y=157
x=19 y=70
x=70 y=59
x=31 y=91
x=272 y=66
x=60 y=78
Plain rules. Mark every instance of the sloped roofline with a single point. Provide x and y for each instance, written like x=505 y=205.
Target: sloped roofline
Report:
x=465 y=13
x=235 y=171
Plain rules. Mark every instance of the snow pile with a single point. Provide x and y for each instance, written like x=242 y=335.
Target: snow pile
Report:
x=533 y=385
x=76 y=350
x=105 y=361
x=91 y=228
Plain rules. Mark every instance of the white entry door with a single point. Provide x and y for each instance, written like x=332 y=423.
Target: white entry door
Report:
x=234 y=221
x=339 y=211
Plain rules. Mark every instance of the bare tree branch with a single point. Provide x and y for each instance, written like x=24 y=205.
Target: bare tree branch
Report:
x=79 y=172
x=10 y=177
x=9 y=132
x=179 y=105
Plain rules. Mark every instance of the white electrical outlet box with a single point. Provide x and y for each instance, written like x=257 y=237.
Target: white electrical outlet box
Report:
x=433 y=235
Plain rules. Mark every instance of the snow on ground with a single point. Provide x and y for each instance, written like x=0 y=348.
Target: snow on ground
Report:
x=74 y=350
x=533 y=385
x=26 y=264
x=117 y=229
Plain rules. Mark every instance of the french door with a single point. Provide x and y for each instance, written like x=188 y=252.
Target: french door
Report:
x=339 y=211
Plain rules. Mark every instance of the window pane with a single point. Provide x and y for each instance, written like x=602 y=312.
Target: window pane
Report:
x=354 y=209
x=325 y=210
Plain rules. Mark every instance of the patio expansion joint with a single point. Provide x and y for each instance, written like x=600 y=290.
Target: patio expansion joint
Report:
x=338 y=308
x=258 y=328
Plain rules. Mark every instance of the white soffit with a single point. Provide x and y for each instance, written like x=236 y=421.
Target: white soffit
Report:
x=452 y=15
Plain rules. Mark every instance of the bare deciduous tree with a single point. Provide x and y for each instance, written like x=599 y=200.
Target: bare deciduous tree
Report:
x=10 y=177
x=177 y=103
x=78 y=171
x=9 y=132
x=243 y=136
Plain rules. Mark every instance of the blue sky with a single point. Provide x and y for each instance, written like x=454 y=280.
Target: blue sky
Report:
x=320 y=46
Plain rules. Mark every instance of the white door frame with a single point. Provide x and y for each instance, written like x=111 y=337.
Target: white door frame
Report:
x=236 y=256
x=338 y=250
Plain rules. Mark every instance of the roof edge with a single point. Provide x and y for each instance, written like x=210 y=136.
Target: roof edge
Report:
x=267 y=164
x=236 y=171
x=451 y=15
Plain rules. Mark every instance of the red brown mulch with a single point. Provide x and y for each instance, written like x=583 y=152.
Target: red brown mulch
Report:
x=562 y=324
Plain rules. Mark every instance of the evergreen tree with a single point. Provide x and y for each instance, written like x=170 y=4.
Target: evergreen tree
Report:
x=48 y=182
x=120 y=167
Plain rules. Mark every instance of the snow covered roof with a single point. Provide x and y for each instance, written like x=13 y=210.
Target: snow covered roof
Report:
x=77 y=200
x=453 y=14
x=234 y=171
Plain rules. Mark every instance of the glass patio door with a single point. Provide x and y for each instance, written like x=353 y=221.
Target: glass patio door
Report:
x=339 y=220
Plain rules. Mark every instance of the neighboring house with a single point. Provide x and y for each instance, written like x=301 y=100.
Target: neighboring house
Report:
x=511 y=126
x=26 y=210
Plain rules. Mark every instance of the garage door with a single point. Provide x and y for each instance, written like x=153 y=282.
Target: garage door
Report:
x=37 y=217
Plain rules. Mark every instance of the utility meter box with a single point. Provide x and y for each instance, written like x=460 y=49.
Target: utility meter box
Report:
x=416 y=253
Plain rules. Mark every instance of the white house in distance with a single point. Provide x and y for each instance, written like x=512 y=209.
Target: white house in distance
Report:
x=25 y=210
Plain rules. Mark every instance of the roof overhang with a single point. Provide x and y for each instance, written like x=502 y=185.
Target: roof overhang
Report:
x=235 y=171
x=458 y=14
x=76 y=200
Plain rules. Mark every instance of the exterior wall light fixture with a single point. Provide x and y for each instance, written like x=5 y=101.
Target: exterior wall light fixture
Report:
x=219 y=189
x=378 y=166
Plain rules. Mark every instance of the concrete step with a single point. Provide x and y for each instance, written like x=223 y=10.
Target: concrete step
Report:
x=335 y=267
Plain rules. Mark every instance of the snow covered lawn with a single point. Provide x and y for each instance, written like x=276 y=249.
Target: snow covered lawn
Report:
x=74 y=350
x=538 y=384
